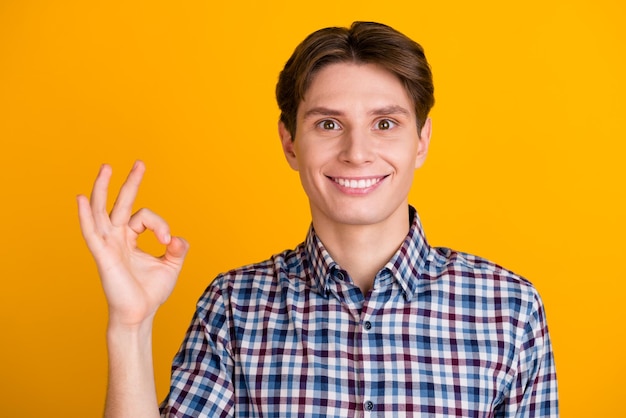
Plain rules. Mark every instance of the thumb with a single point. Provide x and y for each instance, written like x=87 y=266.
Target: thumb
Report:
x=176 y=250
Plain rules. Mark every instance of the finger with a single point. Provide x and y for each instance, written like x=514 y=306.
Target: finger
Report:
x=86 y=221
x=123 y=206
x=176 y=251
x=145 y=219
x=99 y=196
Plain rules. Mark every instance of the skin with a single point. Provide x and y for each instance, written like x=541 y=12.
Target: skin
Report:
x=135 y=285
x=355 y=124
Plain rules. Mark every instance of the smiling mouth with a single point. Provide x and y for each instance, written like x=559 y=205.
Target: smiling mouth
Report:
x=357 y=183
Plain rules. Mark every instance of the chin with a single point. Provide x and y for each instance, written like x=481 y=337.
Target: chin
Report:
x=359 y=216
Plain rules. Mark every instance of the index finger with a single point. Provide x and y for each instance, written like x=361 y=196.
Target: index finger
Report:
x=123 y=207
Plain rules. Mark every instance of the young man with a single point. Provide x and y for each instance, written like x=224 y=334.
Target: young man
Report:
x=364 y=318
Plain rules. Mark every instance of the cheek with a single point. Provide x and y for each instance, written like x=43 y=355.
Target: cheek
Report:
x=402 y=158
x=312 y=158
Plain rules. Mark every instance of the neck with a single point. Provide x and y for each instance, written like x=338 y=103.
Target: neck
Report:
x=362 y=250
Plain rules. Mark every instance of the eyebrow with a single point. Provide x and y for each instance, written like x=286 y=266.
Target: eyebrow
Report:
x=390 y=110
x=382 y=111
x=321 y=111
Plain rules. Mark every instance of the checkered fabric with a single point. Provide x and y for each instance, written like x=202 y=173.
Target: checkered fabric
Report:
x=442 y=334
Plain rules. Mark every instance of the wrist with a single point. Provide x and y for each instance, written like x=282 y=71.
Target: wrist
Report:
x=120 y=331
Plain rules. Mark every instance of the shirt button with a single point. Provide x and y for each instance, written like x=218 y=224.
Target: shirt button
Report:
x=367 y=325
x=369 y=405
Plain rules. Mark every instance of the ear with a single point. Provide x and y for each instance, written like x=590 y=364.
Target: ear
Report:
x=288 y=146
x=423 y=143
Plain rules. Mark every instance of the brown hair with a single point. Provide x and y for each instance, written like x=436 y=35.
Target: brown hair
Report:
x=363 y=42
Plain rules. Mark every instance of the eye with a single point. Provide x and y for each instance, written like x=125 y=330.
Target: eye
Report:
x=385 y=124
x=328 y=125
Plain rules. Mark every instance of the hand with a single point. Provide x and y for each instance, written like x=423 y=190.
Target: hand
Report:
x=135 y=283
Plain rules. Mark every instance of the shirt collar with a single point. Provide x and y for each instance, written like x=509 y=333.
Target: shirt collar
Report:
x=406 y=265
x=322 y=264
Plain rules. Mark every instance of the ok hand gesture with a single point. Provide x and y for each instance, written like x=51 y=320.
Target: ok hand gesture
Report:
x=135 y=283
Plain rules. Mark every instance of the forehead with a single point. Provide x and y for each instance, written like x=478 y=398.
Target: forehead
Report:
x=352 y=86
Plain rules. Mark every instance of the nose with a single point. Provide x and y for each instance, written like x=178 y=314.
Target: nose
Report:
x=356 y=147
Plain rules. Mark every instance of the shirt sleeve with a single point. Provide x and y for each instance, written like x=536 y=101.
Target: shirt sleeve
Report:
x=533 y=391
x=201 y=382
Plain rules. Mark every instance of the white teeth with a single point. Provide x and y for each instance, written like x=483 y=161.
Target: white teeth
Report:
x=357 y=184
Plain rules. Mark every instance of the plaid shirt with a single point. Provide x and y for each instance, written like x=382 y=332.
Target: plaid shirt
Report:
x=442 y=334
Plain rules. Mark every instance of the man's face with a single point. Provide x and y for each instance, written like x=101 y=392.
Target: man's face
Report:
x=356 y=145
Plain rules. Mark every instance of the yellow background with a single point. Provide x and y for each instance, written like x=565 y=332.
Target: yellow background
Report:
x=526 y=165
